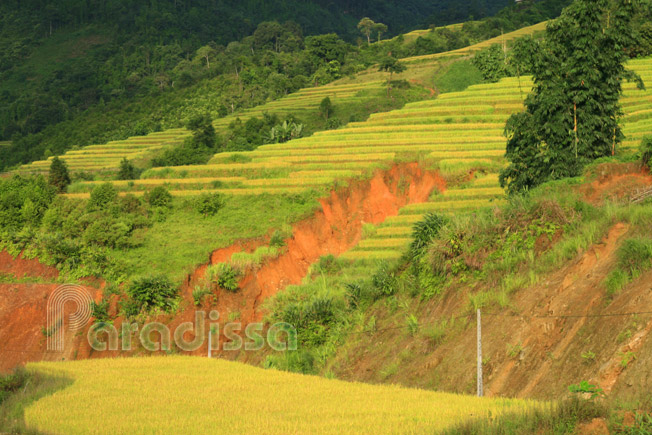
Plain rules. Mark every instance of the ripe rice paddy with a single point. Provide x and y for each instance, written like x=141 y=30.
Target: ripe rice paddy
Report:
x=200 y=395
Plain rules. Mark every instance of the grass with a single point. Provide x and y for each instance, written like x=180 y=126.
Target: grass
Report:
x=185 y=238
x=458 y=76
x=200 y=395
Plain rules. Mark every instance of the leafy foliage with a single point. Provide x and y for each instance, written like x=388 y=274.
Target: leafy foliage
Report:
x=572 y=114
x=59 y=177
x=208 y=204
x=127 y=170
x=23 y=202
x=150 y=293
x=492 y=63
x=225 y=276
x=425 y=231
x=102 y=196
x=159 y=197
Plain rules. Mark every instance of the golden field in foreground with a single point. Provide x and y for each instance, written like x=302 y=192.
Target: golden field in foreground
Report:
x=200 y=395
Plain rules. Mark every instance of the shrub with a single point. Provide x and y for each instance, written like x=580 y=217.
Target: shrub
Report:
x=24 y=201
x=425 y=231
x=127 y=170
x=198 y=294
x=102 y=196
x=225 y=276
x=159 y=197
x=12 y=382
x=100 y=310
x=150 y=293
x=384 y=280
x=277 y=240
x=353 y=294
x=209 y=204
x=491 y=63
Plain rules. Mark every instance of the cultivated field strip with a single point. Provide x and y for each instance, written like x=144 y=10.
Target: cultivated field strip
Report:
x=386 y=241
x=457 y=131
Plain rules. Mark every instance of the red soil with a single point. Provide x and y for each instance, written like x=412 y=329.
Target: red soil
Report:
x=20 y=267
x=615 y=182
x=23 y=316
x=334 y=229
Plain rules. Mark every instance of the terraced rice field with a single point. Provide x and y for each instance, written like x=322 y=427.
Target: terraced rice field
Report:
x=303 y=100
x=540 y=27
x=389 y=240
x=218 y=396
x=458 y=132
x=107 y=157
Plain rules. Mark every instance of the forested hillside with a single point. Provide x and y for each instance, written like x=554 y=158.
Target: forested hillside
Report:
x=82 y=72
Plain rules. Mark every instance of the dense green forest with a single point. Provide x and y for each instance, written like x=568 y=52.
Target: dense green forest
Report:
x=81 y=72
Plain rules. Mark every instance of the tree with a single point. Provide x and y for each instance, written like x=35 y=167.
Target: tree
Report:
x=379 y=28
x=127 y=170
x=203 y=132
x=206 y=53
x=366 y=26
x=102 y=196
x=59 y=176
x=572 y=115
x=491 y=63
x=391 y=65
x=326 y=108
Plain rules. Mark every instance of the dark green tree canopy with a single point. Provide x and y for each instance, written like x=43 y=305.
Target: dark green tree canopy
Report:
x=572 y=115
x=59 y=176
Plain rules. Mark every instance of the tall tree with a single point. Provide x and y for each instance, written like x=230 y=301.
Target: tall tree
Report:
x=59 y=177
x=379 y=29
x=572 y=115
x=391 y=65
x=366 y=26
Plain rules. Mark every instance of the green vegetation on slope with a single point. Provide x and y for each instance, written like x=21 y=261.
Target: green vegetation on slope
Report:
x=71 y=76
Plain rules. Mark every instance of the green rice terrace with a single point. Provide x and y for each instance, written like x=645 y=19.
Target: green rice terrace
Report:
x=469 y=221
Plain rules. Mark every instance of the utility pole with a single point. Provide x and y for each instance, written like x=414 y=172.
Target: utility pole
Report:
x=480 y=386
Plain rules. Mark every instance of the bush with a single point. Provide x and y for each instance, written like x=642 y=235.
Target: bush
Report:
x=159 y=197
x=425 y=231
x=12 y=382
x=102 y=196
x=150 y=293
x=24 y=201
x=225 y=276
x=278 y=239
x=209 y=204
x=384 y=280
x=491 y=63
x=127 y=170
x=198 y=294
x=100 y=310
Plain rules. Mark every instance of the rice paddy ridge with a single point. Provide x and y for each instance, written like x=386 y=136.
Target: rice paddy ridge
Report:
x=107 y=157
x=457 y=131
x=389 y=240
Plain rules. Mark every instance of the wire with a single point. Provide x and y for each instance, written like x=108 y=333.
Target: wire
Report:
x=467 y=316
